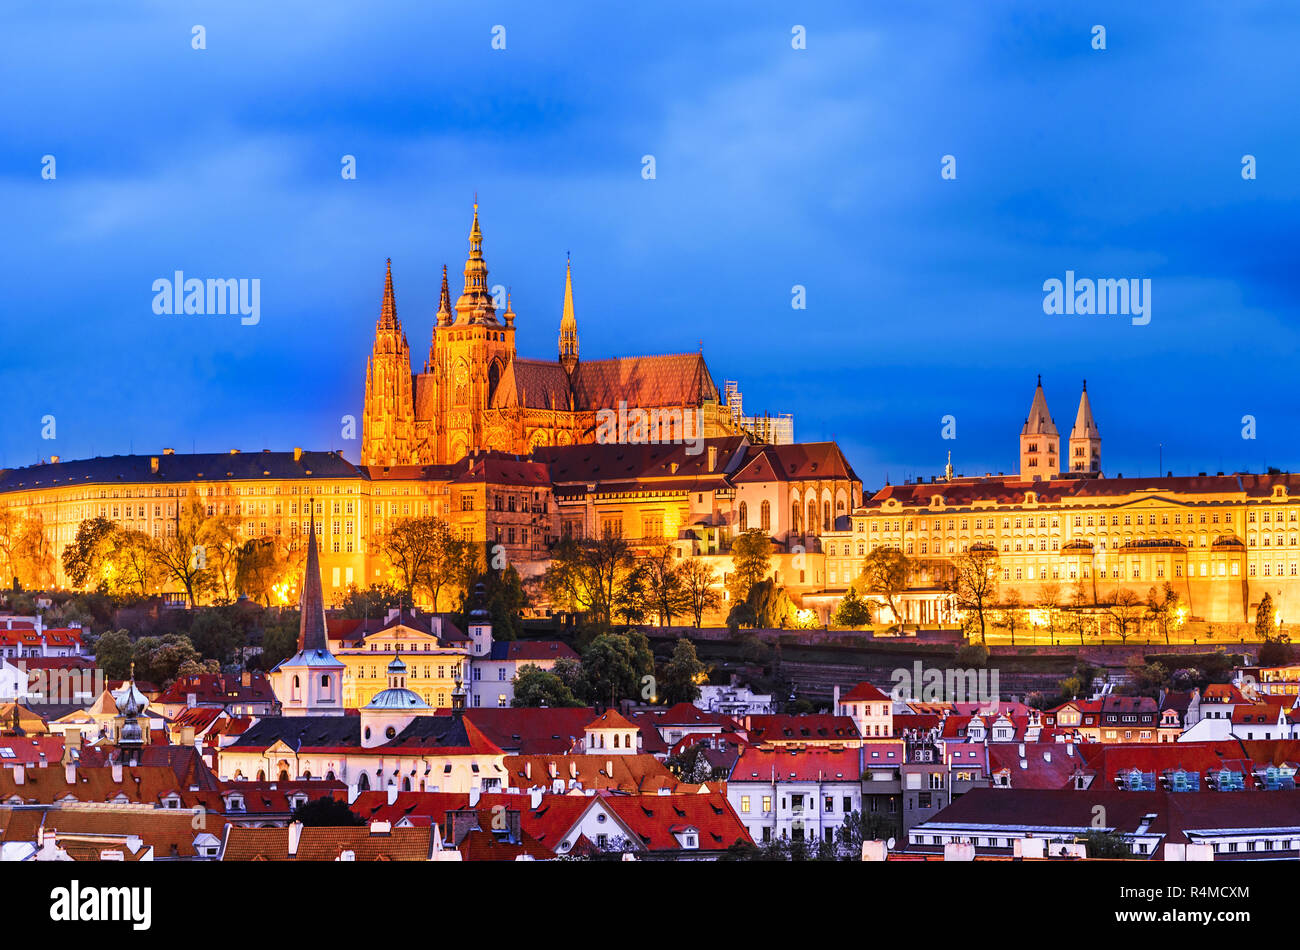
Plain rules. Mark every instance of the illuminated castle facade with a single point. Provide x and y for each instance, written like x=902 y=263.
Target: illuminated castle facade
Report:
x=475 y=393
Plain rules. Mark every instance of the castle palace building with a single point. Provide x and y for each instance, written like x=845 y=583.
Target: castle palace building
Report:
x=476 y=394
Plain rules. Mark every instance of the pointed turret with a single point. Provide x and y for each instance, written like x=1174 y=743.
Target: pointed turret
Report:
x=310 y=683
x=1085 y=438
x=311 y=605
x=444 y=302
x=1039 y=441
x=568 y=323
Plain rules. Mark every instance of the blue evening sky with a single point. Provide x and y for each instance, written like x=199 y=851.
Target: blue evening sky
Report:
x=775 y=167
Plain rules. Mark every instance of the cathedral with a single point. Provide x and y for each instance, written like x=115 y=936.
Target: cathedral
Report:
x=475 y=394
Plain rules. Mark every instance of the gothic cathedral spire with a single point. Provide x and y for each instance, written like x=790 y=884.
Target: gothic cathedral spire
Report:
x=568 y=324
x=388 y=419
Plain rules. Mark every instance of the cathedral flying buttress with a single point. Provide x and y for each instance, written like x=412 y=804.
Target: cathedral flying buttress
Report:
x=475 y=394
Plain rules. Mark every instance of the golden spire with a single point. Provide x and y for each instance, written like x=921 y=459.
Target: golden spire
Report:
x=475 y=303
x=568 y=322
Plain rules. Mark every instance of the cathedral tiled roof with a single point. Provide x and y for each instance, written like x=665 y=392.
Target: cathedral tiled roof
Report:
x=681 y=379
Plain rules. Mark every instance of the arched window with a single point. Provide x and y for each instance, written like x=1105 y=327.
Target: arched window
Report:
x=765 y=516
x=284 y=775
x=616 y=740
x=826 y=516
x=297 y=689
x=325 y=682
x=811 y=526
x=794 y=517
x=744 y=516
x=363 y=782
x=329 y=776
x=261 y=775
x=406 y=783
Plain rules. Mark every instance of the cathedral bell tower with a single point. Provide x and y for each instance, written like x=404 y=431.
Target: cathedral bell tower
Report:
x=1085 y=438
x=1040 y=443
x=388 y=418
x=470 y=351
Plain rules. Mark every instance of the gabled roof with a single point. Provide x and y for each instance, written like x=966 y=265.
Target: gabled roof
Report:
x=799 y=461
x=527 y=731
x=811 y=726
x=658 y=819
x=328 y=844
x=797 y=765
x=864 y=692
x=633 y=774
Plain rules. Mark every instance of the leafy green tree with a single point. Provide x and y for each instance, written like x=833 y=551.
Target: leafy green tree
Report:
x=678 y=682
x=1265 y=623
x=279 y=639
x=751 y=559
x=1277 y=651
x=1147 y=679
x=1107 y=844
x=536 y=687
x=373 y=601
x=326 y=813
x=587 y=577
x=691 y=765
x=218 y=633
x=158 y=659
x=771 y=604
x=505 y=600
x=113 y=652
x=851 y=611
x=613 y=665
x=83 y=557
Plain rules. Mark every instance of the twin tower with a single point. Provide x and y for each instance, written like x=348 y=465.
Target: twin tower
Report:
x=1040 y=443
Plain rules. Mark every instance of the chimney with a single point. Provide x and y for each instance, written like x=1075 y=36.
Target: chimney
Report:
x=169 y=451
x=297 y=454
x=381 y=827
x=713 y=457
x=609 y=767
x=535 y=797
x=20 y=774
x=1022 y=750
x=153 y=465
x=835 y=703
x=392 y=794
x=70 y=773
x=474 y=794
x=573 y=769
x=117 y=773
x=234 y=451
x=187 y=735
x=528 y=770
x=1047 y=756
x=295 y=835
x=54 y=460
x=246 y=678
x=191 y=699
x=71 y=744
